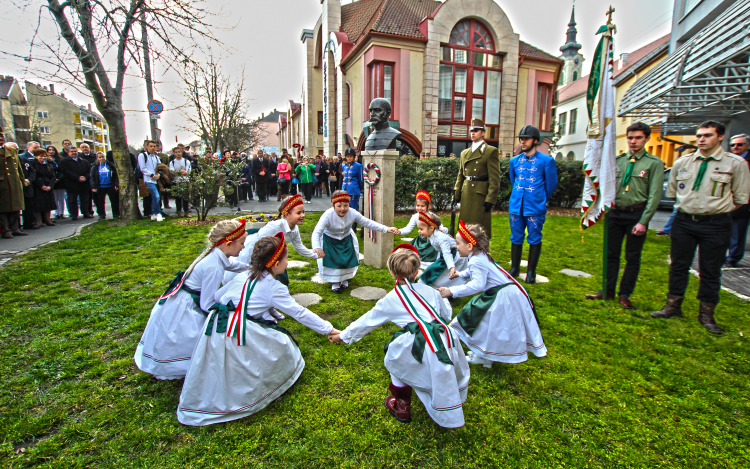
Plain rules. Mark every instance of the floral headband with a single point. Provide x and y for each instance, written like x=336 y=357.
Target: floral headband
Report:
x=424 y=195
x=235 y=234
x=344 y=197
x=291 y=203
x=427 y=220
x=278 y=252
x=464 y=231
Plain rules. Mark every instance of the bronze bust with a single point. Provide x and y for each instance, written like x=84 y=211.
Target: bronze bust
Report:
x=382 y=137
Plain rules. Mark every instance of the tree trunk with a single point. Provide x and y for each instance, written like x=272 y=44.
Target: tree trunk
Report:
x=128 y=185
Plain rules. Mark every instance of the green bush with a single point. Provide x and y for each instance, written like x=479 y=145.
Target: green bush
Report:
x=438 y=177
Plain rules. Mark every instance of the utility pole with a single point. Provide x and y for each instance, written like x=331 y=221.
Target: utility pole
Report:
x=147 y=70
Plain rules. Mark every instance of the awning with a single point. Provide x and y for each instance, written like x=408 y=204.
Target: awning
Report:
x=707 y=78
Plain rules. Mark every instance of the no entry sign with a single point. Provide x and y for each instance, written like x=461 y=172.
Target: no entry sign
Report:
x=155 y=107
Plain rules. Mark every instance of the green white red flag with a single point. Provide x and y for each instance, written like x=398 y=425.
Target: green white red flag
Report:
x=599 y=159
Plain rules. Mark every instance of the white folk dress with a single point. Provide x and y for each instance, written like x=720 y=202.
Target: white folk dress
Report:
x=339 y=229
x=291 y=235
x=502 y=329
x=175 y=325
x=426 y=251
x=437 y=274
x=227 y=381
x=440 y=386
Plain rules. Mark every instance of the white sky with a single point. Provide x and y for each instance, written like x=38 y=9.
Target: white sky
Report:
x=265 y=41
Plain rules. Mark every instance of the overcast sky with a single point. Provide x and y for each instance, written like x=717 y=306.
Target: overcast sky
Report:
x=266 y=41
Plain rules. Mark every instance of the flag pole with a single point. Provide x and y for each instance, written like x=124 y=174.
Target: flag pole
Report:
x=605 y=245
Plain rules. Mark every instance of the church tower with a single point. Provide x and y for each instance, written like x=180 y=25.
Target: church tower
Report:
x=573 y=67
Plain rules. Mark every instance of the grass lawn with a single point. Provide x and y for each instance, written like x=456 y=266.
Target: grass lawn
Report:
x=617 y=389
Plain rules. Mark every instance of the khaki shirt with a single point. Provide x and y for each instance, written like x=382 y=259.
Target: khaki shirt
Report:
x=725 y=183
x=646 y=183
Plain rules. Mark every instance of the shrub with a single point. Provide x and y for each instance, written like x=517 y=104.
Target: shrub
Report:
x=438 y=177
x=202 y=185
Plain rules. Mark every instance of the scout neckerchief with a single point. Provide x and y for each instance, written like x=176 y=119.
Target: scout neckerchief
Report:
x=702 y=171
x=431 y=338
x=628 y=173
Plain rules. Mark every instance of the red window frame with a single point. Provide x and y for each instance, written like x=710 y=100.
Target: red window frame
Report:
x=479 y=36
x=376 y=81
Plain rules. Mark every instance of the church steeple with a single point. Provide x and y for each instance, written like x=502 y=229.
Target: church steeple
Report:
x=571 y=47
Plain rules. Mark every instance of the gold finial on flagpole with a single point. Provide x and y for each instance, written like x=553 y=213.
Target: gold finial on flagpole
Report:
x=609 y=14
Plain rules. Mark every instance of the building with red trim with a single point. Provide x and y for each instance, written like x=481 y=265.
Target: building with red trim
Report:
x=439 y=63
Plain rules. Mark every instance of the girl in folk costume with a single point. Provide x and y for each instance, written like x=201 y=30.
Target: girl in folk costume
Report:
x=244 y=361
x=334 y=235
x=425 y=355
x=427 y=253
x=176 y=321
x=499 y=324
x=292 y=215
x=444 y=271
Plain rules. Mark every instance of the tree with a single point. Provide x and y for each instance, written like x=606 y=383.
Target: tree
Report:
x=95 y=30
x=220 y=109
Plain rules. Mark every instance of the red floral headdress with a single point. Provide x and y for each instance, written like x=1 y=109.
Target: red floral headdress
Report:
x=278 y=252
x=235 y=234
x=464 y=231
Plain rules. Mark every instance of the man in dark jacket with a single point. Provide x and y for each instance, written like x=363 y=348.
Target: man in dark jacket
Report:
x=105 y=183
x=77 y=172
x=90 y=158
x=261 y=170
x=273 y=174
x=27 y=164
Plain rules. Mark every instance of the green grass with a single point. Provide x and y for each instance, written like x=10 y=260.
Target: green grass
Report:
x=617 y=389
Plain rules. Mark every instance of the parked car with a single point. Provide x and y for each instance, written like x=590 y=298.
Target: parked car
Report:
x=666 y=202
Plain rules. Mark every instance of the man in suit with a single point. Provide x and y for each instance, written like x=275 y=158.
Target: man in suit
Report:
x=478 y=180
x=77 y=172
x=90 y=158
x=261 y=170
x=27 y=165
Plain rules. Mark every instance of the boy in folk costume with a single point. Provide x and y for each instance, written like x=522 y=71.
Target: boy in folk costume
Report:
x=425 y=354
x=176 y=321
x=427 y=253
x=291 y=216
x=334 y=235
x=444 y=271
x=499 y=324
x=244 y=361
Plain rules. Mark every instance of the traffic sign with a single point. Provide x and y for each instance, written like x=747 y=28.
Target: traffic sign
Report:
x=155 y=107
x=155 y=117
x=296 y=145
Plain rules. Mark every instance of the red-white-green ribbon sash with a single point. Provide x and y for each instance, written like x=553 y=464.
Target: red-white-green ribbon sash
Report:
x=523 y=290
x=432 y=311
x=175 y=289
x=432 y=340
x=371 y=203
x=237 y=323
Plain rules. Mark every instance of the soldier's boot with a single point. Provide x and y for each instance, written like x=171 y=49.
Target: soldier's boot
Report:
x=706 y=317
x=535 y=250
x=516 y=251
x=673 y=308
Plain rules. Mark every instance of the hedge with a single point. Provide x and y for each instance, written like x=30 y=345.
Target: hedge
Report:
x=438 y=177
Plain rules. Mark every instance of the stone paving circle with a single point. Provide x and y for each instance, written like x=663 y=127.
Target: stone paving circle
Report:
x=369 y=293
x=296 y=264
x=307 y=299
x=539 y=278
x=316 y=279
x=575 y=273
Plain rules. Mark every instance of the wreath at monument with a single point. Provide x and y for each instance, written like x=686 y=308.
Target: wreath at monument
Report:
x=370 y=193
x=366 y=173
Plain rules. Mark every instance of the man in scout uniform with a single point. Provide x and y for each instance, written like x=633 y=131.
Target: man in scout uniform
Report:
x=640 y=177
x=533 y=176
x=706 y=185
x=478 y=180
x=12 y=181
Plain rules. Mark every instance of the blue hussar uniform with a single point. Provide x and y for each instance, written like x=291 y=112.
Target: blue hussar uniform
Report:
x=534 y=179
x=352 y=182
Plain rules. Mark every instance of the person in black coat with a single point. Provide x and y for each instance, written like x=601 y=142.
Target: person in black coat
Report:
x=262 y=175
x=90 y=158
x=105 y=183
x=29 y=221
x=246 y=187
x=77 y=172
x=272 y=189
x=43 y=201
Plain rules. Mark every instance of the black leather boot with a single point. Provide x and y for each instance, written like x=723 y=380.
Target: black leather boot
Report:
x=516 y=251
x=672 y=309
x=706 y=317
x=535 y=250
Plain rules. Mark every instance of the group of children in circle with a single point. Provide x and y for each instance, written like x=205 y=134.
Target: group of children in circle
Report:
x=217 y=324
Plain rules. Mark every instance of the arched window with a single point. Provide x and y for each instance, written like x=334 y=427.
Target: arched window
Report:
x=469 y=82
x=575 y=75
x=571 y=156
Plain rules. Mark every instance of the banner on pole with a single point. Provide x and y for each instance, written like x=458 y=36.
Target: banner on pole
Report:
x=599 y=158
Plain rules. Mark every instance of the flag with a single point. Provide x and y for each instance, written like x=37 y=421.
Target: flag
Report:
x=599 y=159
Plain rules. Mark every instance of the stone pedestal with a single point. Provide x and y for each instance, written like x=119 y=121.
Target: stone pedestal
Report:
x=383 y=209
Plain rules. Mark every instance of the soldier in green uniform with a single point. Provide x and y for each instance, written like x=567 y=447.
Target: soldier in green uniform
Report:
x=11 y=189
x=639 y=177
x=478 y=180
x=707 y=185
